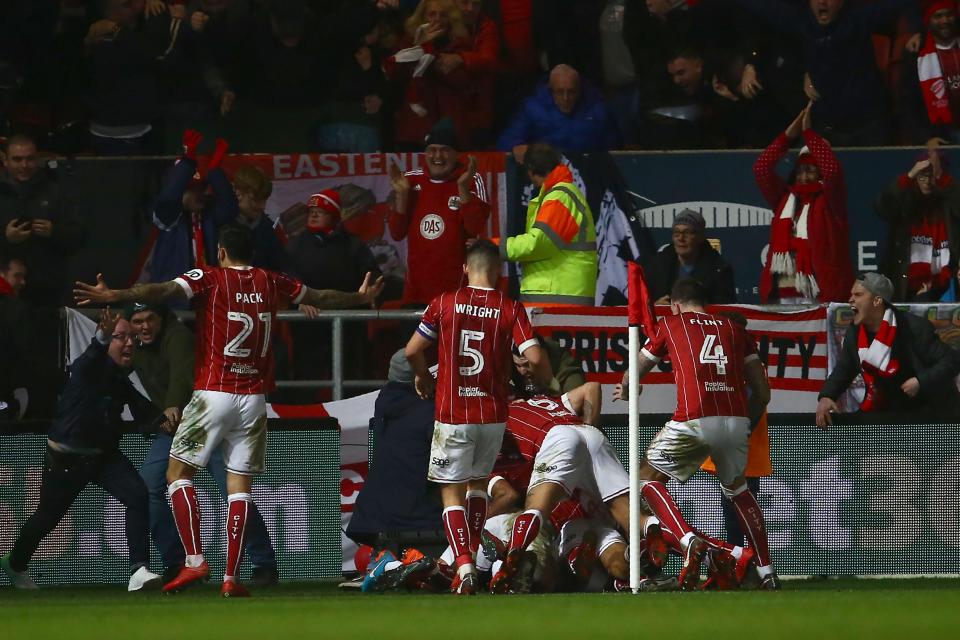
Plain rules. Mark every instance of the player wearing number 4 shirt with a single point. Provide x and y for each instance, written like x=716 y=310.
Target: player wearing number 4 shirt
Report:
x=475 y=328
x=714 y=361
x=236 y=308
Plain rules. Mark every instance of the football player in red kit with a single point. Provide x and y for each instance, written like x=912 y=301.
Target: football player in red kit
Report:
x=437 y=211
x=236 y=309
x=475 y=328
x=714 y=360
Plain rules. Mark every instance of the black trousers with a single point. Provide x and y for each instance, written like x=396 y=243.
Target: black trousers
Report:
x=64 y=477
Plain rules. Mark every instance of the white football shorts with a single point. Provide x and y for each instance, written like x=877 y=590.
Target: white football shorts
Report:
x=580 y=457
x=238 y=421
x=680 y=448
x=463 y=452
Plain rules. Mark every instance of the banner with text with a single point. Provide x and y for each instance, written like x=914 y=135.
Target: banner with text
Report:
x=792 y=344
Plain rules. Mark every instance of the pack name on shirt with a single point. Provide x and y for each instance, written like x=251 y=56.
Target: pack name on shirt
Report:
x=250 y=298
x=477 y=311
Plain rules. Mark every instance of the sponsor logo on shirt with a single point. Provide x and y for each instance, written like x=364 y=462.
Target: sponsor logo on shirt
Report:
x=242 y=369
x=543 y=467
x=471 y=392
x=453 y=203
x=717 y=386
x=431 y=227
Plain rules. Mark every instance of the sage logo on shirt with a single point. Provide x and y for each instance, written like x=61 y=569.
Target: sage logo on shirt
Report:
x=431 y=227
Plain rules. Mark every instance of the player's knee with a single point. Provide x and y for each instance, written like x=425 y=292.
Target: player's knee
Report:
x=734 y=488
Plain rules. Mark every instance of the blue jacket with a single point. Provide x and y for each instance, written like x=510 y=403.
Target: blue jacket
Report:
x=91 y=405
x=173 y=251
x=590 y=127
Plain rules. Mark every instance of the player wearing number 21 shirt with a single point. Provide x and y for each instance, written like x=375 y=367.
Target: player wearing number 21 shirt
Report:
x=714 y=362
x=236 y=308
x=474 y=328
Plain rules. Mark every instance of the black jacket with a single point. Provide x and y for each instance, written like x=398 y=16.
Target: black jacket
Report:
x=336 y=261
x=44 y=198
x=396 y=495
x=90 y=407
x=921 y=353
x=663 y=269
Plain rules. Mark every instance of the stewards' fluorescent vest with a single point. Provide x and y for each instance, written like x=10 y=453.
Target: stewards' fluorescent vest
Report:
x=558 y=251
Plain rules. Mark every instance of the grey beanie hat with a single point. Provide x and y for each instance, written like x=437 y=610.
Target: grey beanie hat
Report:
x=400 y=370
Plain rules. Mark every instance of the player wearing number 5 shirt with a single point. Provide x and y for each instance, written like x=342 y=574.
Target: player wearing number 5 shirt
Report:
x=236 y=308
x=475 y=328
x=714 y=361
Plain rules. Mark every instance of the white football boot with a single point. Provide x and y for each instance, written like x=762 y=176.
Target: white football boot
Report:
x=144 y=580
x=20 y=579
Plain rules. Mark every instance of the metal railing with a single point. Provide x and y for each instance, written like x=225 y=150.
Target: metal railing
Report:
x=336 y=320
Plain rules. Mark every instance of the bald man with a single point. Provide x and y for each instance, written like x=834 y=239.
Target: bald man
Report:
x=565 y=112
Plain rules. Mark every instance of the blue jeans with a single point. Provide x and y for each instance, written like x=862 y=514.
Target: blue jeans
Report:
x=162 y=527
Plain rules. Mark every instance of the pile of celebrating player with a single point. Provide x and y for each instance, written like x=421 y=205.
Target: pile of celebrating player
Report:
x=534 y=496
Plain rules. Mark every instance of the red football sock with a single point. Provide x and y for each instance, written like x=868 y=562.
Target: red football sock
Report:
x=458 y=533
x=239 y=507
x=476 y=516
x=186 y=513
x=754 y=526
x=666 y=510
x=525 y=529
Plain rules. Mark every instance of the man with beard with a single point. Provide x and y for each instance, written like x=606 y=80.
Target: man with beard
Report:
x=437 y=211
x=904 y=364
x=922 y=211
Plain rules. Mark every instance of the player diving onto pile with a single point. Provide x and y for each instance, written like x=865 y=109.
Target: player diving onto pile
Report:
x=236 y=312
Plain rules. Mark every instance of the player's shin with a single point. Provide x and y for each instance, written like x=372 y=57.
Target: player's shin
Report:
x=476 y=516
x=525 y=530
x=754 y=526
x=237 y=512
x=186 y=514
x=666 y=510
x=458 y=535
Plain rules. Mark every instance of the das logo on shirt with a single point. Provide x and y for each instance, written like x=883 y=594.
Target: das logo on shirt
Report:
x=431 y=227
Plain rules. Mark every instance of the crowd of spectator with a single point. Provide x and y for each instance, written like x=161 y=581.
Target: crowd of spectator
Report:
x=120 y=77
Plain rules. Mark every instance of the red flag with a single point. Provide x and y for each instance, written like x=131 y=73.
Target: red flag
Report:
x=639 y=305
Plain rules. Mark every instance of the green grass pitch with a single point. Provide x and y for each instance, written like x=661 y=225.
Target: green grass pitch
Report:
x=907 y=609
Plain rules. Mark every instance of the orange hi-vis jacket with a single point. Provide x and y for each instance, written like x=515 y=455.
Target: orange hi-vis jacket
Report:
x=558 y=251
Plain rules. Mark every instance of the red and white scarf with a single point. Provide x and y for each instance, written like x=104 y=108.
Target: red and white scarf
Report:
x=876 y=357
x=790 y=240
x=933 y=87
x=929 y=254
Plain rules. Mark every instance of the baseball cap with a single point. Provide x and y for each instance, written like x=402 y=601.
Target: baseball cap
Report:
x=877 y=284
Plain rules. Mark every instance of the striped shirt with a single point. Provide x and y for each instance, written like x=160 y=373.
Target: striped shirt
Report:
x=475 y=329
x=708 y=354
x=236 y=310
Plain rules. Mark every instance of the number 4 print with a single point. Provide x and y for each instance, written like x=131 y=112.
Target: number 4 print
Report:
x=712 y=353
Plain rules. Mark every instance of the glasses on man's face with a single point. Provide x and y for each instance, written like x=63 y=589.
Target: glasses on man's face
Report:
x=123 y=337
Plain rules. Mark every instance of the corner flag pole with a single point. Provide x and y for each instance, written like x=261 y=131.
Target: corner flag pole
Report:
x=639 y=312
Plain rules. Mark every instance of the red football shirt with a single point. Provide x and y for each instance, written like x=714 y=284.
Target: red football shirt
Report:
x=235 y=314
x=436 y=229
x=475 y=328
x=708 y=353
x=529 y=422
